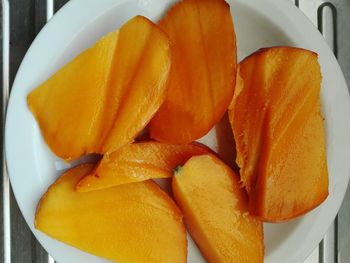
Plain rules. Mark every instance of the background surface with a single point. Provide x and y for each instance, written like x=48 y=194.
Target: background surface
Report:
x=21 y=21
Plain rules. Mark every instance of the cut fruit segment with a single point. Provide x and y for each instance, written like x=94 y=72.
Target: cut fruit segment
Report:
x=104 y=97
x=129 y=223
x=215 y=210
x=279 y=132
x=138 y=162
x=203 y=70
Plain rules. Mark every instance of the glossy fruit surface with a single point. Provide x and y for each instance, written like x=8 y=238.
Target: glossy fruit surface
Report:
x=203 y=70
x=279 y=132
x=130 y=223
x=139 y=162
x=105 y=96
x=215 y=210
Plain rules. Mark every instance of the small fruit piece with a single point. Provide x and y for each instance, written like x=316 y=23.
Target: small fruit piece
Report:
x=138 y=162
x=215 y=209
x=279 y=133
x=129 y=223
x=203 y=70
x=104 y=97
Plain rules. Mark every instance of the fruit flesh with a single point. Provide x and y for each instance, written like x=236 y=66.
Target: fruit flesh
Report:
x=138 y=162
x=104 y=97
x=279 y=133
x=129 y=223
x=202 y=75
x=215 y=209
x=63 y=112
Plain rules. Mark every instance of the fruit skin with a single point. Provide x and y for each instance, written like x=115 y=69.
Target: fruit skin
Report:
x=215 y=209
x=105 y=96
x=279 y=132
x=203 y=70
x=130 y=223
x=139 y=162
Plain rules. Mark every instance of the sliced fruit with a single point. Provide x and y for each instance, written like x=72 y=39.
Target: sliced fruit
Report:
x=138 y=162
x=203 y=70
x=129 y=223
x=279 y=132
x=104 y=97
x=215 y=210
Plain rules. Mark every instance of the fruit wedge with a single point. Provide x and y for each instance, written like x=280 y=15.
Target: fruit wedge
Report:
x=279 y=132
x=203 y=70
x=215 y=210
x=105 y=96
x=138 y=162
x=130 y=223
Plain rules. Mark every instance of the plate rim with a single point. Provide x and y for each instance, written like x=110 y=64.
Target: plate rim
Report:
x=299 y=20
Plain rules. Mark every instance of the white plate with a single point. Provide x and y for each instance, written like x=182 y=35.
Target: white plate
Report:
x=259 y=23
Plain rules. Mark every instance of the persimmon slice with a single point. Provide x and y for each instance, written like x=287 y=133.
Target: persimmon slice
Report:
x=215 y=210
x=129 y=223
x=139 y=162
x=105 y=96
x=279 y=132
x=203 y=70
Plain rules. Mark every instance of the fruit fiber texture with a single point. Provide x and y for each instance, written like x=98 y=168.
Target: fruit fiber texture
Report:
x=279 y=132
x=203 y=70
x=129 y=223
x=215 y=210
x=105 y=96
x=139 y=162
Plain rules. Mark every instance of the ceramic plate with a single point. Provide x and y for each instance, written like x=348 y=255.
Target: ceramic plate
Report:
x=259 y=23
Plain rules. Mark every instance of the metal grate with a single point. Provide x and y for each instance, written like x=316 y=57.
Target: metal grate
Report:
x=23 y=19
